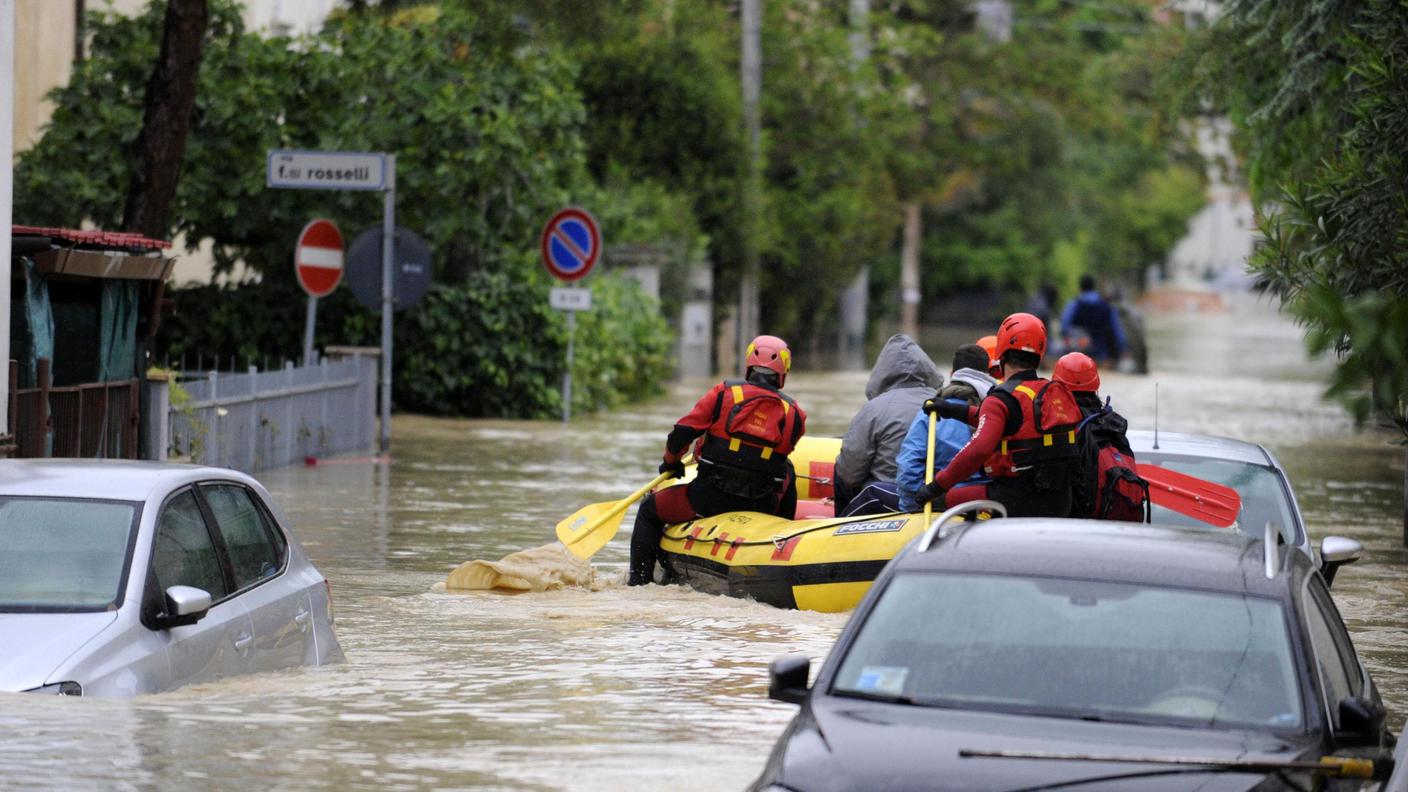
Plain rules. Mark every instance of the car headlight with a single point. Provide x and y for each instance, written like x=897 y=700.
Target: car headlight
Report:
x=59 y=689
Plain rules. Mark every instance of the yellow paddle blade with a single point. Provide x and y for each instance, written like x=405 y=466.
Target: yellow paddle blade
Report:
x=590 y=528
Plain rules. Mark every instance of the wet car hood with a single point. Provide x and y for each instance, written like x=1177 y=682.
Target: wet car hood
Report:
x=37 y=643
x=844 y=744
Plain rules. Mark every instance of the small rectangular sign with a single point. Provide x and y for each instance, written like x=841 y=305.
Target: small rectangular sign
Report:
x=565 y=299
x=873 y=526
x=326 y=170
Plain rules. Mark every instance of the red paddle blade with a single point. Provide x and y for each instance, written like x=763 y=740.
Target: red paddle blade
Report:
x=1204 y=500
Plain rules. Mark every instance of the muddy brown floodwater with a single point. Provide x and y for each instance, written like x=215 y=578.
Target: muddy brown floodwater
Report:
x=603 y=687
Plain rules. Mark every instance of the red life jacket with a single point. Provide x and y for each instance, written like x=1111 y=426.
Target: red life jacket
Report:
x=1048 y=432
x=753 y=428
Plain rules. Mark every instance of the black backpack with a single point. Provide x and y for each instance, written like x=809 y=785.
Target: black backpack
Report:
x=1109 y=486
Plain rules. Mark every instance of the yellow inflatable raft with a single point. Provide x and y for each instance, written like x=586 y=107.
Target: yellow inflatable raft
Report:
x=819 y=563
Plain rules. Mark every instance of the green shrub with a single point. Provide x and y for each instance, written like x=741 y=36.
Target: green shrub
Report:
x=489 y=347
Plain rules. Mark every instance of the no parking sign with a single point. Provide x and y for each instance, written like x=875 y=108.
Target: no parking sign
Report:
x=571 y=244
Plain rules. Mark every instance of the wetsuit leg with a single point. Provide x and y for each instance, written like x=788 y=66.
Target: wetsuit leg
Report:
x=786 y=505
x=669 y=505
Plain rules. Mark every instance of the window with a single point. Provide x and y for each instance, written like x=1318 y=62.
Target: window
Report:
x=184 y=554
x=1334 y=654
x=247 y=537
x=1077 y=648
x=63 y=554
x=1264 y=496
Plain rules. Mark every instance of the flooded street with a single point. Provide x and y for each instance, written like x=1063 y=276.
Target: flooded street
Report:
x=617 y=688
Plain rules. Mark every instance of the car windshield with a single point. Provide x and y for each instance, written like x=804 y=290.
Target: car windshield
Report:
x=63 y=554
x=1075 y=648
x=1264 y=499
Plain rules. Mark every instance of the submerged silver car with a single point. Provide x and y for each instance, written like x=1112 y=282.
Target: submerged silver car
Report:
x=119 y=578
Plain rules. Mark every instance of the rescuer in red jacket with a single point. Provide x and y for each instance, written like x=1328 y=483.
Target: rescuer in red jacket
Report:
x=1026 y=436
x=742 y=431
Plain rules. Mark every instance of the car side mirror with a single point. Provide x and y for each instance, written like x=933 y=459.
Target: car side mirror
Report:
x=184 y=605
x=1361 y=721
x=1335 y=552
x=787 y=678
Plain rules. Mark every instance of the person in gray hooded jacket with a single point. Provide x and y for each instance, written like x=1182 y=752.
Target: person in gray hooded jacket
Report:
x=903 y=377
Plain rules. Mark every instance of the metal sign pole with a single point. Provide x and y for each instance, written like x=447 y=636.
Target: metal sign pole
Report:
x=308 y=330
x=388 y=248
x=567 y=375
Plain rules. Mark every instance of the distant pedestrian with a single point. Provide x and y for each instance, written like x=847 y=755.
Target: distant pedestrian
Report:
x=1043 y=304
x=1091 y=325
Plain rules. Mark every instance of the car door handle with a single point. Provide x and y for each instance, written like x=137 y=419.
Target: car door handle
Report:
x=301 y=619
x=242 y=643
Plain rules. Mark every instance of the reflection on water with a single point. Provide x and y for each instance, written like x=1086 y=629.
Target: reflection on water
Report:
x=621 y=688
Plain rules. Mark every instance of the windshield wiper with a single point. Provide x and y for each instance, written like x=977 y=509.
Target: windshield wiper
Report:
x=1328 y=766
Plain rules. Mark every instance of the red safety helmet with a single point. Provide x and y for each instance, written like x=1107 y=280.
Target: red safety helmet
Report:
x=989 y=345
x=1078 y=372
x=770 y=352
x=1022 y=332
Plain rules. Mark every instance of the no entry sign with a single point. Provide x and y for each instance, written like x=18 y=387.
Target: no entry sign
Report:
x=571 y=244
x=318 y=258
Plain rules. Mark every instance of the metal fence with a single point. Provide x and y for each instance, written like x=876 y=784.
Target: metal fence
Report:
x=260 y=420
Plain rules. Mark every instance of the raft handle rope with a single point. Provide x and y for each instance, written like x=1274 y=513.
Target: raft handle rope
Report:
x=776 y=540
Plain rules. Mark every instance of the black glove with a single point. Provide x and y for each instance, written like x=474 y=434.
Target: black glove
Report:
x=676 y=468
x=932 y=491
x=946 y=409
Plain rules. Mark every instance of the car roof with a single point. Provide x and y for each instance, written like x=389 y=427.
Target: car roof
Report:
x=1157 y=555
x=1141 y=441
x=112 y=479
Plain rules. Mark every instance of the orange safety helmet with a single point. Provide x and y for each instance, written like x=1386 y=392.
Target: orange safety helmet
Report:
x=1022 y=332
x=989 y=345
x=770 y=352
x=1078 y=372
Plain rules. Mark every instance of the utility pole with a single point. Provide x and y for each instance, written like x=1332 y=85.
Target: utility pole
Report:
x=7 y=195
x=752 y=79
x=854 y=307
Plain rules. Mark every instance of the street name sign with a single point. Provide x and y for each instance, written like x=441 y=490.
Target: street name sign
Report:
x=318 y=258
x=571 y=244
x=326 y=170
x=570 y=299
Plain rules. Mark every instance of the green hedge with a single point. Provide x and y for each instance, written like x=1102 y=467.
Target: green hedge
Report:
x=489 y=347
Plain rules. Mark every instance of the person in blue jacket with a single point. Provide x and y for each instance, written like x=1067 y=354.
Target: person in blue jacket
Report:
x=968 y=384
x=1091 y=314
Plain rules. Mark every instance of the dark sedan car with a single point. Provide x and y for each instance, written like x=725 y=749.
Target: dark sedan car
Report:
x=1070 y=654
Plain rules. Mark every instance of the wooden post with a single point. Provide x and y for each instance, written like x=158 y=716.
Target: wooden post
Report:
x=10 y=444
x=48 y=442
x=1405 y=496
x=134 y=417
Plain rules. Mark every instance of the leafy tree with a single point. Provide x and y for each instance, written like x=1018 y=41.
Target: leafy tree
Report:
x=1039 y=158
x=1319 y=91
x=487 y=131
